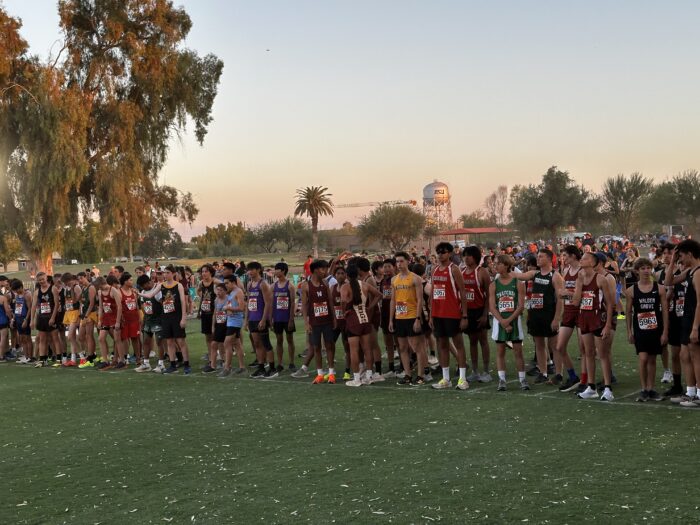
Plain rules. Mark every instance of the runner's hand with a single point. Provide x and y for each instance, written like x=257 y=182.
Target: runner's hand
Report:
x=416 y=326
x=664 y=339
x=183 y=323
x=463 y=323
x=694 y=336
x=630 y=338
x=391 y=327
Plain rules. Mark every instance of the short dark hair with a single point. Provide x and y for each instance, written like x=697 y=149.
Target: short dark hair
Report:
x=472 y=251
x=112 y=280
x=549 y=253
x=690 y=246
x=208 y=267
x=402 y=254
x=390 y=260
x=220 y=285
x=283 y=266
x=15 y=284
x=444 y=246
x=376 y=265
x=418 y=269
x=171 y=268
x=125 y=277
x=255 y=265
x=362 y=263
x=318 y=263
x=232 y=266
x=231 y=278
x=142 y=280
x=573 y=251
x=119 y=268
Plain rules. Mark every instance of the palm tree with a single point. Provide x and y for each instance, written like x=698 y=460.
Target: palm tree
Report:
x=314 y=201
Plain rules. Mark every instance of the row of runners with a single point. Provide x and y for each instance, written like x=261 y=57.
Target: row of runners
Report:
x=345 y=302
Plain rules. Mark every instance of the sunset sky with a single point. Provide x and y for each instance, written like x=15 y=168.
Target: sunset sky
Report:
x=375 y=99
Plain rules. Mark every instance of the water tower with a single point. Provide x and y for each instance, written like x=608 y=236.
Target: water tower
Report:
x=437 y=206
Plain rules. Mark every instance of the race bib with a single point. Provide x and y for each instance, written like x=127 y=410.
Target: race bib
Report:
x=470 y=295
x=680 y=303
x=386 y=293
x=206 y=306
x=107 y=307
x=339 y=312
x=130 y=303
x=148 y=308
x=282 y=302
x=220 y=317
x=252 y=304
x=320 y=309
x=537 y=301
x=45 y=308
x=647 y=321
x=506 y=304
x=439 y=293
x=567 y=300
x=401 y=309
x=587 y=298
x=18 y=309
x=69 y=307
x=168 y=306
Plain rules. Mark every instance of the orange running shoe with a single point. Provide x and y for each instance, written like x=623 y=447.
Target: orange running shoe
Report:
x=82 y=361
x=71 y=363
x=319 y=379
x=331 y=379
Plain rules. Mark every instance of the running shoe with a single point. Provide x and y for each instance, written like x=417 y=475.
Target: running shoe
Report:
x=428 y=378
x=171 y=370
x=239 y=371
x=534 y=371
x=419 y=381
x=676 y=400
x=555 y=380
x=667 y=377
x=607 y=395
x=462 y=384
x=400 y=374
x=331 y=379
x=485 y=378
x=442 y=384
x=143 y=367
x=655 y=396
x=272 y=373
x=524 y=385
x=353 y=383
x=673 y=392
x=280 y=369
x=100 y=365
x=258 y=374
x=225 y=372
x=292 y=367
x=588 y=393
x=57 y=364
x=643 y=396
x=621 y=317
x=501 y=386
x=301 y=373
x=581 y=388
x=389 y=375
x=693 y=403
x=377 y=378
x=432 y=360
x=347 y=376
x=473 y=377
x=571 y=384
x=254 y=363
x=540 y=379
x=121 y=366
x=39 y=364
x=106 y=366
x=70 y=363
x=318 y=380
x=405 y=380
x=23 y=361
x=159 y=369
x=208 y=369
x=187 y=370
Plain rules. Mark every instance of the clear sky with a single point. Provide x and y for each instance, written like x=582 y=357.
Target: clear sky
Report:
x=376 y=98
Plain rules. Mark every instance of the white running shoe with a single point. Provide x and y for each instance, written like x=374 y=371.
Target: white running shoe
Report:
x=693 y=403
x=389 y=375
x=300 y=373
x=432 y=360
x=144 y=367
x=377 y=378
x=607 y=395
x=442 y=384
x=401 y=375
x=159 y=369
x=485 y=378
x=589 y=393
x=462 y=384
x=427 y=378
x=667 y=377
x=354 y=383
x=366 y=379
x=23 y=361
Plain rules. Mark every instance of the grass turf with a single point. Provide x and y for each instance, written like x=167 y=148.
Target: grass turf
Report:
x=120 y=447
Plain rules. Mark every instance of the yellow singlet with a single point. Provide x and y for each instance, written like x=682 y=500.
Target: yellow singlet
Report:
x=405 y=296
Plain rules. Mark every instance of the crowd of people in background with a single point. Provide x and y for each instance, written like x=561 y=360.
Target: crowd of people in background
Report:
x=402 y=316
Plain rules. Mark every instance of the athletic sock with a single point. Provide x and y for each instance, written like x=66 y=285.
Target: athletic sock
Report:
x=463 y=373
x=186 y=363
x=305 y=368
x=391 y=366
x=178 y=355
x=347 y=371
x=692 y=391
x=356 y=376
x=521 y=376
x=160 y=362
x=73 y=357
x=584 y=377
x=446 y=373
x=572 y=373
x=502 y=375
x=676 y=381
x=319 y=371
x=608 y=387
x=331 y=371
x=378 y=367
x=173 y=364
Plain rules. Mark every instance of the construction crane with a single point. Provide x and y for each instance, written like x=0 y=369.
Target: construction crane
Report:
x=382 y=203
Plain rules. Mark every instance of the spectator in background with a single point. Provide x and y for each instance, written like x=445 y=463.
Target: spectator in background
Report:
x=307 y=265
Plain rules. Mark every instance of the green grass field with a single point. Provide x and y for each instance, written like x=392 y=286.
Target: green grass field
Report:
x=120 y=447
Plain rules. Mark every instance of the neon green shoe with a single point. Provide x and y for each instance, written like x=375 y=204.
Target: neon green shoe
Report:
x=347 y=376
x=86 y=364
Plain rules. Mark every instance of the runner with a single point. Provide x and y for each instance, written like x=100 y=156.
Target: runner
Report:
x=357 y=298
x=448 y=310
x=22 y=320
x=71 y=318
x=507 y=303
x=476 y=283
x=5 y=321
x=43 y=317
x=234 y=309
x=647 y=325
x=109 y=322
x=206 y=295
x=688 y=252
x=405 y=321
x=592 y=318
x=259 y=320
x=173 y=319
x=283 y=308
x=88 y=319
x=571 y=260
x=675 y=291
x=373 y=358
x=385 y=287
x=545 y=309
x=660 y=276
x=130 y=327
x=604 y=345
x=151 y=329
x=320 y=323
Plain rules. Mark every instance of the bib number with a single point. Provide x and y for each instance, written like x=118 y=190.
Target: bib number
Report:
x=320 y=309
x=338 y=312
x=439 y=293
x=107 y=308
x=680 y=303
x=45 y=308
x=148 y=308
x=470 y=295
x=587 y=298
x=401 y=309
x=18 y=309
x=282 y=302
x=130 y=304
x=506 y=304
x=537 y=301
x=168 y=306
x=69 y=307
x=206 y=306
x=252 y=304
x=647 y=321
x=220 y=317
